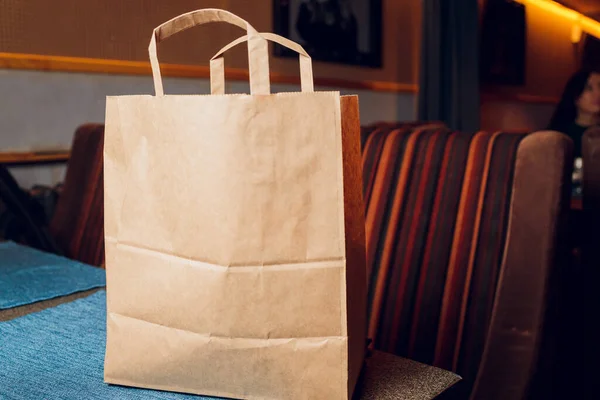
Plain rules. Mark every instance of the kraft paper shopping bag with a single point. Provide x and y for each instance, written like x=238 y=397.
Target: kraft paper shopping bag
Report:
x=235 y=250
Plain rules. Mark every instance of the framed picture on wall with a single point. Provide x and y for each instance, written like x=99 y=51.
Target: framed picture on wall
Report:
x=503 y=43
x=338 y=31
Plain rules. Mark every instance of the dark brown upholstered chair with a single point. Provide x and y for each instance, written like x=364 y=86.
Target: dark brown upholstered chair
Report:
x=463 y=251
x=78 y=221
x=589 y=276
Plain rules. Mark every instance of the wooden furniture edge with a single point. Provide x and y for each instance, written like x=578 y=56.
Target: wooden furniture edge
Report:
x=108 y=66
x=39 y=62
x=32 y=157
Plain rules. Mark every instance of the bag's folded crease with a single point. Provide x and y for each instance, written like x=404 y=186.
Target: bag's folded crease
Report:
x=332 y=262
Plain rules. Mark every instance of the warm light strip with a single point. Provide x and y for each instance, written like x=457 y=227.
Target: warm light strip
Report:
x=591 y=26
x=580 y=21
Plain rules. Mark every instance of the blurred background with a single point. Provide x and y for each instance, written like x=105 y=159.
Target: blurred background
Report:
x=58 y=60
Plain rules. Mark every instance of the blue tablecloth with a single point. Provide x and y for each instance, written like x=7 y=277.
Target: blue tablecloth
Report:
x=58 y=353
x=28 y=275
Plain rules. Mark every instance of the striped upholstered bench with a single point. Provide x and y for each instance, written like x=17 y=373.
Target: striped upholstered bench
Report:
x=461 y=242
x=384 y=127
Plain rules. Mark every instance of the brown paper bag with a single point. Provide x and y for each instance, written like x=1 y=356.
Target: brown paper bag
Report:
x=235 y=250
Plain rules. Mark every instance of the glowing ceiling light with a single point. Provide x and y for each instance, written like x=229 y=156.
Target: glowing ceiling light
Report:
x=580 y=22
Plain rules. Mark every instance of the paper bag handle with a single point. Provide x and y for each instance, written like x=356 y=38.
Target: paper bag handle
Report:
x=217 y=65
x=258 y=58
x=217 y=68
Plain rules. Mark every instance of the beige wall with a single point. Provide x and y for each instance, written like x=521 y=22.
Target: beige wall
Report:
x=117 y=29
x=42 y=109
x=120 y=29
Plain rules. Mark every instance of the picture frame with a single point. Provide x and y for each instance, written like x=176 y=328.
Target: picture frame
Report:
x=503 y=43
x=336 y=31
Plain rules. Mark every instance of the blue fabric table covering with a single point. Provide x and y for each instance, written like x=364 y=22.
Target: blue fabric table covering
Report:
x=28 y=275
x=58 y=354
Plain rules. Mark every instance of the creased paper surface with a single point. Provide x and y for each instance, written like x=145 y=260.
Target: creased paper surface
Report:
x=254 y=178
x=226 y=250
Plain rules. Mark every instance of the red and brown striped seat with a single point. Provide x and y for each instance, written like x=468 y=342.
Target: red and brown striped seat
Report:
x=78 y=221
x=383 y=126
x=461 y=239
